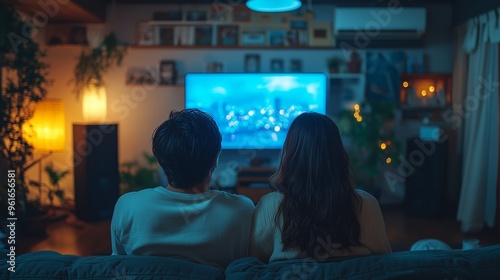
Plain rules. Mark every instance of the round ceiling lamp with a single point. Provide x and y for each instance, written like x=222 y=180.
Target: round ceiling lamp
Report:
x=275 y=6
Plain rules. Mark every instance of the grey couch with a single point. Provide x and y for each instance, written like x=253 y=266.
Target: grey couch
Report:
x=480 y=263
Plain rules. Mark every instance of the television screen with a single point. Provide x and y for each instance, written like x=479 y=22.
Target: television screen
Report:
x=255 y=110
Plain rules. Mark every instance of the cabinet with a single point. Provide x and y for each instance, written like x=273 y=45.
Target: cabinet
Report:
x=253 y=182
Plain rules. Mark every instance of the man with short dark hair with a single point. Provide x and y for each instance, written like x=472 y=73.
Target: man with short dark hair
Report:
x=184 y=219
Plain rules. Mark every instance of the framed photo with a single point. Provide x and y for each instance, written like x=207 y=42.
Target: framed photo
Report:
x=78 y=35
x=298 y=24
x=145 y=34
x=252 y=63
x=227 y=35
x=167 y=73
x=383 y=75
x=253 y=38
x=277 y=66
x=276 y=38
x=320 y=34
x=291 y=38
x=140 y=76
x=221 y=13
x=295 y=65
x=264 y=18
x=242 y=14
x=215 y=67
x=172 y=15
x=64 y=35
x=196 y=15
x=165 y=35
x=203 y=35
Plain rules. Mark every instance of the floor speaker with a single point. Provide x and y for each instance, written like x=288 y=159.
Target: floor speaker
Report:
x=97 y=179
x=426 y=163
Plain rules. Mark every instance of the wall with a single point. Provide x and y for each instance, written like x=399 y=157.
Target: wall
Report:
x=139 y=110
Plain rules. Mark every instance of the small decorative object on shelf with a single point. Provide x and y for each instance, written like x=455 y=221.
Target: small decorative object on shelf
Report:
x=354 y=63
x=295 y=65
x=252 y=63
x=425 y=95
x=335 y=64
x=215 y=67
x=227 y=35
x=145 y=34
x=277 y=65
x=168 y=73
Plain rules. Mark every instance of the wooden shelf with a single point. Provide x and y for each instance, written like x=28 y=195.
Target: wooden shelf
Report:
x=231 y=47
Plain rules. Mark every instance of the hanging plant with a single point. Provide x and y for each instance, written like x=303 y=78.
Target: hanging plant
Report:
x=94 y=63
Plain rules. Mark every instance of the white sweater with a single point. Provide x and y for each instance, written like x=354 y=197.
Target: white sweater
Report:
x=209 y=228
x=266 y=243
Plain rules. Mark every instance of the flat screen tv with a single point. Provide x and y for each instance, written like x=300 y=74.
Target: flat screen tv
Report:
x=255 y=110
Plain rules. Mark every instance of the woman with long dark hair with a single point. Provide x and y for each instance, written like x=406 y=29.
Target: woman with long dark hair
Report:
x=315 y=212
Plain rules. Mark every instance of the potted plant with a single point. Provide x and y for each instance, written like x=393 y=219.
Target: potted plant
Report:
x=93 y=63
x=25 y=84
x=134 y=175
x=370 y=141
x=334 y=64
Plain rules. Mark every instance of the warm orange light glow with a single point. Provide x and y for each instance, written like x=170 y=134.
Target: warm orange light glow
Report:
x=94 y=104
x=356 y=107
x=432 y=88
x=388 y=160
x=424 y=93
x=405 y=84
x=48 y=125
x=383 y=146
x=359 y=119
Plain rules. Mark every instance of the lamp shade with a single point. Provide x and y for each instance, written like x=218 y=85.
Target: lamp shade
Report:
x=94 y=104
x=48 y=124
x=273 y=6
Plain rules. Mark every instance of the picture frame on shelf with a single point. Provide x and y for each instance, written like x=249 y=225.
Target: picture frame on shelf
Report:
x=252 y=63
x=242 y=14
x=291 y=38
x=196 y=15
x=320 y=34
x=165 y=35
x=253 y=38
x=62 y=34
x=215 y=67
x=227 y=35
x=276 y=38
x=78 y=35
x=203 y=35
x=170 y=15
x=140 y=76
x=303 y=36
x=284 y=18
x=221 y=12
x=295 y=65
x=145 y=34
x=383 y=71
x=167 y=73
x=299 y=24
x=277 y=65
x=263 y=18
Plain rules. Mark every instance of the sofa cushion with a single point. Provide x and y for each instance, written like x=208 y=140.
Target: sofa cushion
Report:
x=481 y=263
x=52 y=265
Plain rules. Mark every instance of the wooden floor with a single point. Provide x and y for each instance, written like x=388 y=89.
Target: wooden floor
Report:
x=72 y=236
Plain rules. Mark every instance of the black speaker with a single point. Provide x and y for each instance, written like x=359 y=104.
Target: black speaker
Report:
x=425 y=193
x=97 y=179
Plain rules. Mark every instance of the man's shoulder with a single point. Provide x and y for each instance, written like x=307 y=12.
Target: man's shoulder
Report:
x=233 y=198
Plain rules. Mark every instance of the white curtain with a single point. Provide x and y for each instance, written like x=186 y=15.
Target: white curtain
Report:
x=480 y=163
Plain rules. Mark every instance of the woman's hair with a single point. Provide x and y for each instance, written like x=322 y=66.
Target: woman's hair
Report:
x=187 y=146
x=320 y=205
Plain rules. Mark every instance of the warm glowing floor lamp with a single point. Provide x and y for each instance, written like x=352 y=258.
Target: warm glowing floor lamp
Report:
x=48 y=131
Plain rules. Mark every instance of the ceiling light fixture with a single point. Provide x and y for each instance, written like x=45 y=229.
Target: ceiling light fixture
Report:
x=275 y=6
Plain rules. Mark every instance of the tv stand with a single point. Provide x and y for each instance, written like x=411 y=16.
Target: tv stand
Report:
x=253 y=182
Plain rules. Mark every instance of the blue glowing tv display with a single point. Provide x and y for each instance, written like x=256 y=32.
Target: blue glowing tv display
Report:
x=255 y=110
